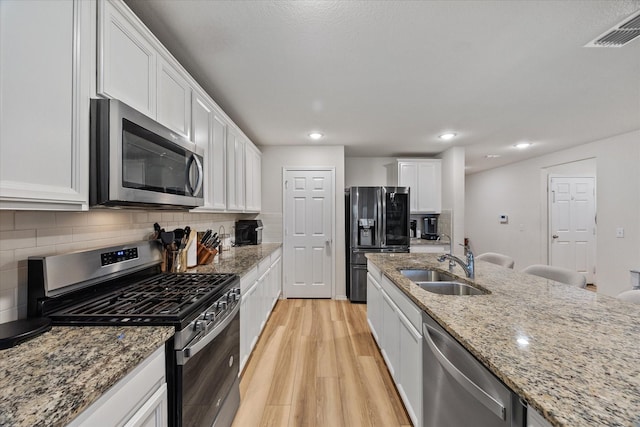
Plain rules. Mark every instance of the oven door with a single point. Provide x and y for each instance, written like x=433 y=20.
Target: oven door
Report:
x=207 y=376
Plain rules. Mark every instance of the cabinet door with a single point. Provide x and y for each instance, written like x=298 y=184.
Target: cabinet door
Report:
x=374 y=308
x=253 y=178
x=174 y=99
x=408 y=177
x=126 y=59
x=429 y=186
x=390 y=335
x=218 y=164
x=410 y=369
x=235 y=171
x=47 y=61
x=153 y=413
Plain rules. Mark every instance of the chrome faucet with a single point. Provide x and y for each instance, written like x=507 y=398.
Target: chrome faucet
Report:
x=468 y=267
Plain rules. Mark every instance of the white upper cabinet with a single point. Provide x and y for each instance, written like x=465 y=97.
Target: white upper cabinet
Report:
x=253 y=165
x=127 y=60
x=173 y=98
x=209 y=131
x=424 y=178
x=235 y=171
x=47 y=62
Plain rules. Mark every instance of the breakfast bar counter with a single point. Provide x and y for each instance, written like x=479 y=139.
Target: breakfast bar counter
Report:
x=572 y=354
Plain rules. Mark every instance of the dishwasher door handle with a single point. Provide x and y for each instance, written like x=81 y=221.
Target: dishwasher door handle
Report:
x=476 y=391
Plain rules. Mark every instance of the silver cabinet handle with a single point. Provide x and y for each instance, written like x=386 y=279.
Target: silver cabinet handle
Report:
x=482 y=396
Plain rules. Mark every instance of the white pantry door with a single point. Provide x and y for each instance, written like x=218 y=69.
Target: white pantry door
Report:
x=308 y=233
x=573 y=224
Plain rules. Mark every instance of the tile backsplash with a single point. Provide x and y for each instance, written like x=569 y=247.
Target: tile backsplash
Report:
x=34 y=233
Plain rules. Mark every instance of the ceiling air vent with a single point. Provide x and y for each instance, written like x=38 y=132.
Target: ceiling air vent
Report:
x=620 y=34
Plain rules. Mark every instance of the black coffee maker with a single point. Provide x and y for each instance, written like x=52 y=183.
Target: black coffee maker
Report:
x=248 y=232
x=430 y=227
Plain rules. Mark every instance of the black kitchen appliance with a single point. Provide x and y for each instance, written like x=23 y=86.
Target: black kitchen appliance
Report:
x=123 y=285
x=248 y=232
x=377 y=220
x=413 y=225
x=430 y=227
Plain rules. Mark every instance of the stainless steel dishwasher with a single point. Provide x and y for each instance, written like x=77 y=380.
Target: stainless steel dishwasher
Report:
x=458 y=390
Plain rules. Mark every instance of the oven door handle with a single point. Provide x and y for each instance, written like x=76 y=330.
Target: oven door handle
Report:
x=183 y=356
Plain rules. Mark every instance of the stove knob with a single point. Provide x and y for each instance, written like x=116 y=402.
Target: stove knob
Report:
x=222 y=305
x=210 y=315
x=199 y=326
x=236 y=297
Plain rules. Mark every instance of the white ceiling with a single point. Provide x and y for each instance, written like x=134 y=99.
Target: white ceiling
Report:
x=385 y=78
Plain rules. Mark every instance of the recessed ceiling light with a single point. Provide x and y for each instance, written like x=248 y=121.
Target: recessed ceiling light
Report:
x=522 y=145
x=447 y=136
x=492 y=156
x=315 y=135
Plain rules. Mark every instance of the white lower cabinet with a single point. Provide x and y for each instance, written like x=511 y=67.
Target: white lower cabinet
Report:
x=409 y=382
x=374 y=307
x=260 y=289
x=390 y=335
x=139 y=399
x=395 y=324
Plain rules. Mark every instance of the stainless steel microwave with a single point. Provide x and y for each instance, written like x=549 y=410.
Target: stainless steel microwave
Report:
x=137 y=162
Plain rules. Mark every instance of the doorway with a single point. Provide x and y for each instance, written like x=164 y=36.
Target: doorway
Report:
x=309 y=232
x=572 y=224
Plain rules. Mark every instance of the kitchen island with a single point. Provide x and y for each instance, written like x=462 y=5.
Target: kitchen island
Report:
x=51 y=379
x=571 y=354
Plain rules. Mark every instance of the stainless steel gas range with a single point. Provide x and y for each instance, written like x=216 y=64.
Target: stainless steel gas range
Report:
x=123 y=285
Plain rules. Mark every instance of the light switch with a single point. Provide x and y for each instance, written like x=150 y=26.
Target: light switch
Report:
x=619 y=232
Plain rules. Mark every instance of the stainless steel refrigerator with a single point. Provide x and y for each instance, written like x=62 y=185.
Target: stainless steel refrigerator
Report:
x=377 y=220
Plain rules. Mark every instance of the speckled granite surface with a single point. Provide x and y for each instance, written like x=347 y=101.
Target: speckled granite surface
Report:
x=572 y=354
x=238 y=260
x=51 y=379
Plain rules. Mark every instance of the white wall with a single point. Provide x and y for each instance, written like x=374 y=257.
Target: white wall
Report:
x=453 y=191
x=274 y=159
x=27 y=233
x=366 y=171
x=519 y=190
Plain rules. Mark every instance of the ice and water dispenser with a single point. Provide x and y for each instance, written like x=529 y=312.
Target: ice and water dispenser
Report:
x=366 y=231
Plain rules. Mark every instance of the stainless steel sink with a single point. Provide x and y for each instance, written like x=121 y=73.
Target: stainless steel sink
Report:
x=425 y=275
x=450 y=288
x=440 y=282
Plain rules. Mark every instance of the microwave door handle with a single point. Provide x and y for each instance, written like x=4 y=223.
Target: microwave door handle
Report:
x=198 y=185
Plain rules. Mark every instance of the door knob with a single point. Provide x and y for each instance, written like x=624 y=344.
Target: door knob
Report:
x=555 y=236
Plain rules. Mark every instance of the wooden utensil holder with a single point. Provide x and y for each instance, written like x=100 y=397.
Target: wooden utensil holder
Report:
x=205 y=255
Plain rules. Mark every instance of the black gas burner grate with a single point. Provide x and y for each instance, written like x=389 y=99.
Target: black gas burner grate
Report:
x=171 y=296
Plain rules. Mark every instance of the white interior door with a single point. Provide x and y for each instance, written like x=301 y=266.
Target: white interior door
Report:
x=573 y=224
x=308 y=233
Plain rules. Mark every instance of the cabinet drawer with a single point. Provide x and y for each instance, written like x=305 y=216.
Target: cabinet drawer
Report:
x=374 y=271
x=248 y=280
x=405 y=305
x=275 y=255
x=263 y=266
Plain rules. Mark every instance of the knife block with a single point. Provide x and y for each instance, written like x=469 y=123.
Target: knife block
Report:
x=205 y=255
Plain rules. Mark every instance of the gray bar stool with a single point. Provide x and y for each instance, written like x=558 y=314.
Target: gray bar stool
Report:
x=496 y=258
x=559 y=274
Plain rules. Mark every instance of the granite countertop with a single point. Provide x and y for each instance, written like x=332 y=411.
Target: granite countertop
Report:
x=572 y=354
x=416 y=241
x=239 y=259
x=51 y=379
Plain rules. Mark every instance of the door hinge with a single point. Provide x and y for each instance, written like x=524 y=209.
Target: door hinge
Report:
x=286 y=185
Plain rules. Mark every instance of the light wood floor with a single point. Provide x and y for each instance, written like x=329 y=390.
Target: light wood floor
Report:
x=316 y=364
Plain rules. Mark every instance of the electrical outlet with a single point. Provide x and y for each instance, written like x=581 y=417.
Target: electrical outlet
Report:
x=619 y=232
